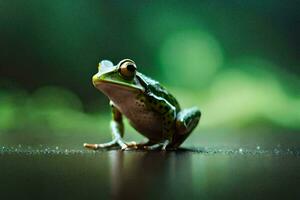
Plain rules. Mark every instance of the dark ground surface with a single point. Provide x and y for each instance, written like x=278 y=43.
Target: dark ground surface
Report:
x=218 y=173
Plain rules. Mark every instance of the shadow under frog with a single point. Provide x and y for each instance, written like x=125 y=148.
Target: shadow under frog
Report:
x=150 y=175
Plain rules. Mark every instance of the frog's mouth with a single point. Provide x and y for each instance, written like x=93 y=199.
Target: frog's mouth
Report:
x=99 y=84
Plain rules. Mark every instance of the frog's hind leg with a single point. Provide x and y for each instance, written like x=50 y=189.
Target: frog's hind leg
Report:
x=186 y=121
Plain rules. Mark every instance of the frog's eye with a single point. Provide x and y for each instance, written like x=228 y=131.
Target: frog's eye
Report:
x=127 y=69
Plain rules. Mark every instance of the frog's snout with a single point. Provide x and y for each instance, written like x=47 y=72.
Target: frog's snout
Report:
x=96 y=79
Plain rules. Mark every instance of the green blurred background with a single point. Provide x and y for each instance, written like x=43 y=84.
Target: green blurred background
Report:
x=236 y=60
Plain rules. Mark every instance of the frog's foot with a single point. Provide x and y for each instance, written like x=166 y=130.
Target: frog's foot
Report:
x=158 y=146
x=100 y=146
x=113 y=143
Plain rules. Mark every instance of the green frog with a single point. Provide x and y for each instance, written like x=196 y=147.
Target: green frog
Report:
x=148 y=106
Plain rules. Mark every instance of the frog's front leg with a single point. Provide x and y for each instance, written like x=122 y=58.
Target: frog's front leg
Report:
x=117 y=129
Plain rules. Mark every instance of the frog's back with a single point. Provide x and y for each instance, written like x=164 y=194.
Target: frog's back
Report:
x=157 y=89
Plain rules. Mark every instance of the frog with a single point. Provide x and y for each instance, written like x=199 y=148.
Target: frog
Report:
x=150 y=109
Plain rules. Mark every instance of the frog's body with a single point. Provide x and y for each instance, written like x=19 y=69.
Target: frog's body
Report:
x=133 y=104
x=151 y=110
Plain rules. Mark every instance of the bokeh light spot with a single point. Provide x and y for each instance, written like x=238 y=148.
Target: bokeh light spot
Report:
x=192 y=56
x=56 y=98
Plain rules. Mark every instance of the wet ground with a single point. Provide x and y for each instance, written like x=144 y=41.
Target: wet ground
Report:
x=193 y=173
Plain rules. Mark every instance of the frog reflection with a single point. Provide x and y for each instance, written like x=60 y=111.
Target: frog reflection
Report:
x=156 y=174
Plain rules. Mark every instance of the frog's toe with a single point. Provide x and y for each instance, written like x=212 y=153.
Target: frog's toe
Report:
x=154 y=147
x=128 y=148
x=131 y=144
x=100 y=146
x=124 y=148
x=158 y=146
x=91 y=146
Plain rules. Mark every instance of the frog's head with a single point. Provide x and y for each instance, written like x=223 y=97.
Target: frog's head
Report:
x=116 y=77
